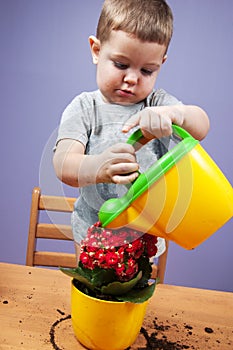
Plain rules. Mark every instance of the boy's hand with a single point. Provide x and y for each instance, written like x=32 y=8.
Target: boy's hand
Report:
x=156 y=122
x=117 y=164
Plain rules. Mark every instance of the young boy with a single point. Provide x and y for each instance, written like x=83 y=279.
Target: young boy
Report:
x=91 y=152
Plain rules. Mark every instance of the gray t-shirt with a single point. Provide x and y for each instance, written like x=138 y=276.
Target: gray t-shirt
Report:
x=97 y=125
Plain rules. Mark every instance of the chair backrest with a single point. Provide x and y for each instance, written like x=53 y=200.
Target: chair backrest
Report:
x=39 y=230
x=51 y=231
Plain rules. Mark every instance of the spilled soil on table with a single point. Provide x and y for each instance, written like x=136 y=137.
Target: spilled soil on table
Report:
x=156 y=335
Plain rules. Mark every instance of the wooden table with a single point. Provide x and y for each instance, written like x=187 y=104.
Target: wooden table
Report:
x=35 y=314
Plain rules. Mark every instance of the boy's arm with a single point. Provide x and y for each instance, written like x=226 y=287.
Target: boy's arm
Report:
x=195 y=121
x=117 y=164
x=156 y=122
x=67 y=159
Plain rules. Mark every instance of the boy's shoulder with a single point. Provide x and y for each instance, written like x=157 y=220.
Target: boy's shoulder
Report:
x=89 y=96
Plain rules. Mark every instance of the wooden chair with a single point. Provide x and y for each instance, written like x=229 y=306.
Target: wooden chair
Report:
x=51 y=231
x=39 y=230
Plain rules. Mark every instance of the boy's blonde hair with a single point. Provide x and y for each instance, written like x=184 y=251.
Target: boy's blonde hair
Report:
x=148 y=20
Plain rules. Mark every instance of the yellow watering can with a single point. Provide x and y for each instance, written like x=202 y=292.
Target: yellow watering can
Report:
x=183 y=197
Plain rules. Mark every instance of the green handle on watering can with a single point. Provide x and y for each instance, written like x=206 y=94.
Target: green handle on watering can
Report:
x=177 y=130
x=137 y=137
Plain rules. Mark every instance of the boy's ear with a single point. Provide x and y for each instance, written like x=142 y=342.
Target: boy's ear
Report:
x=164 y=58
x=95 y=48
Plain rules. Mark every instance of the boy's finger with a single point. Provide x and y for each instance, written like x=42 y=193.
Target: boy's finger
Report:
x=130 y=123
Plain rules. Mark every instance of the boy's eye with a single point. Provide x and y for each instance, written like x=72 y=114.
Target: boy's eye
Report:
x=146 y=71
x=120 y=65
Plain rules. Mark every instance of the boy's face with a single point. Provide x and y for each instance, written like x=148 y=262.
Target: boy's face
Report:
x=127 y=68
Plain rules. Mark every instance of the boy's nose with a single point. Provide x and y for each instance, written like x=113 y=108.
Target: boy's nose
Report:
x=131 y=77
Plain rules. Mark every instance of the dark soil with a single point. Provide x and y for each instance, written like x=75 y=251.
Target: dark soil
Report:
x=155 y=343
x=52 y=331
x=158 y=339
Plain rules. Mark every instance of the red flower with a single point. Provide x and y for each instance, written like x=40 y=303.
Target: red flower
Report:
x=135 y=248
x=131 y=262
x=87 y=260
x=99 y=257
x=120 y=269
x=84 y=258
x=91 y=249
x=111 y=259
x=116 y=249
x=121 y=253
x=131 y=270
x=150 y=242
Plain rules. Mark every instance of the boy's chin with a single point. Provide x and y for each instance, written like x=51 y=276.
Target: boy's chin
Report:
x=119 y=101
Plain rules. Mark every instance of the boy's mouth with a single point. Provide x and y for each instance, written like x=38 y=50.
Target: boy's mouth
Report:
x=124 y=93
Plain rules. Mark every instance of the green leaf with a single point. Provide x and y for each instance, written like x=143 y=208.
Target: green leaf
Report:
x=119 y=288
x=70 y=272
x=138 y=296
x=78 y=275
x=91 y=278
x=102 y=276
x=145 y=266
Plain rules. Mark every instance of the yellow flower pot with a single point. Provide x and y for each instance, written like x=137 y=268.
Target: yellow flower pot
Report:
x=105 y=325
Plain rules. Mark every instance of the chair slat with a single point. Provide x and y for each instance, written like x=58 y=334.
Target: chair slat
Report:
x=55 y=259
x=52 y=231
x=56 y=203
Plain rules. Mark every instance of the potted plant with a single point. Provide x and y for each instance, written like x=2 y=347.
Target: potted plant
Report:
x=111 y=287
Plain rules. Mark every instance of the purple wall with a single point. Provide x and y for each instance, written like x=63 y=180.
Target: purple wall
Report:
x=45 y=61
